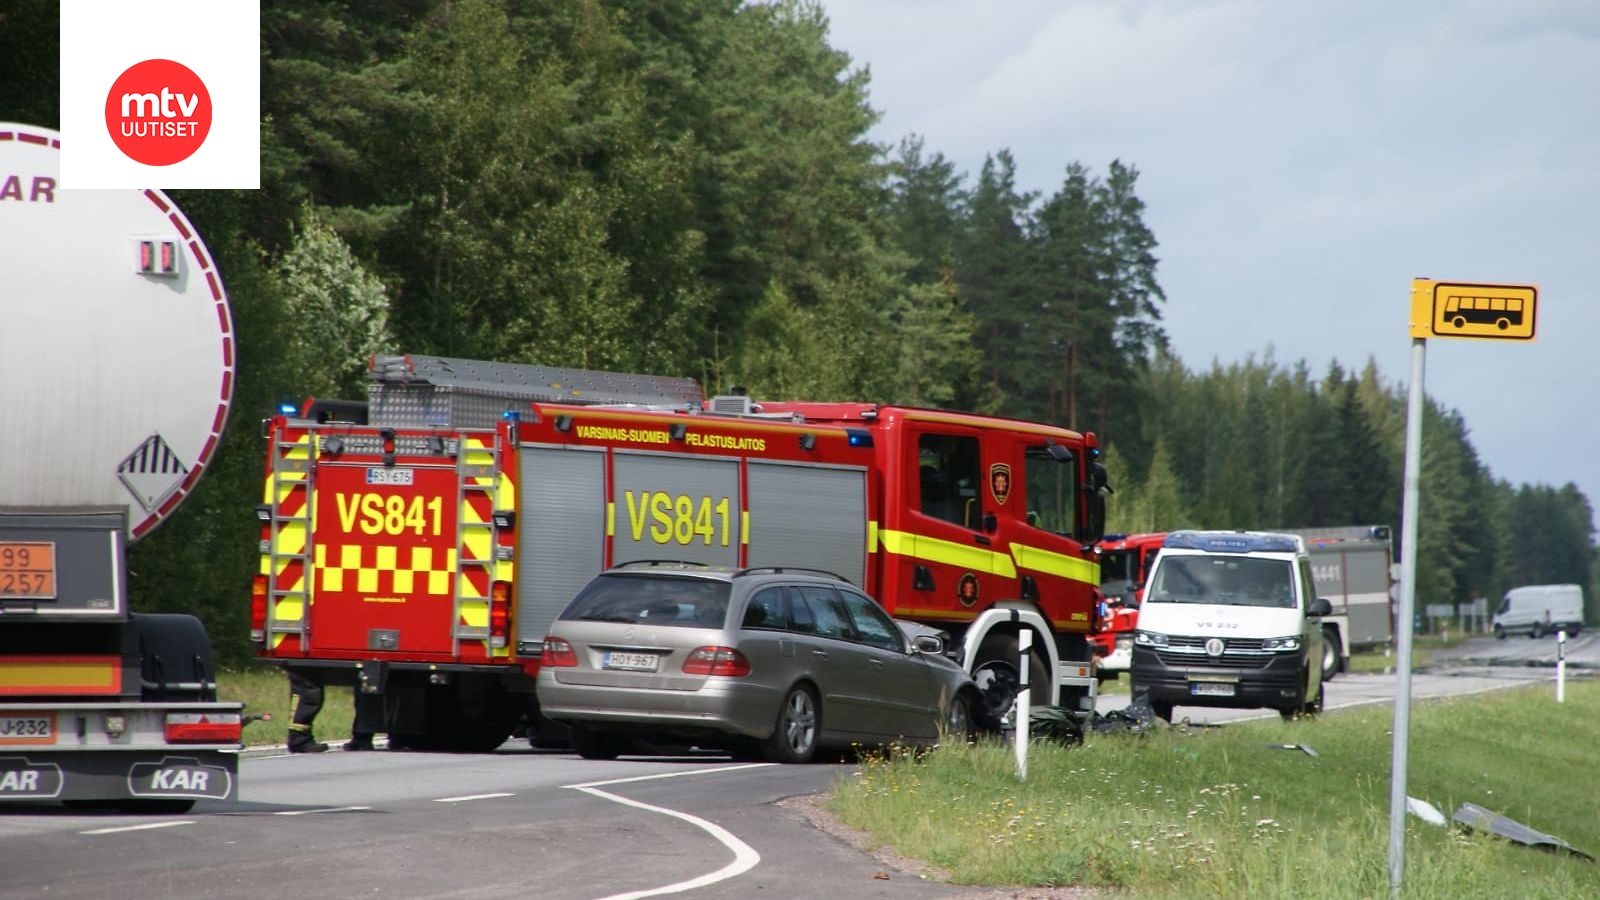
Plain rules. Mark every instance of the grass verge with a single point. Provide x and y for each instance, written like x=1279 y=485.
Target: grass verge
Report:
x=266 y=690
x=1220 y=813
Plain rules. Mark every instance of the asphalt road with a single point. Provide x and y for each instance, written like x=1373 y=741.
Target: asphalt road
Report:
x=423 y=825
x=517 y=822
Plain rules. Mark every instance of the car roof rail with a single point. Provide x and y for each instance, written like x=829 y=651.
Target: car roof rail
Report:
x=653 y=563
x=780 y=570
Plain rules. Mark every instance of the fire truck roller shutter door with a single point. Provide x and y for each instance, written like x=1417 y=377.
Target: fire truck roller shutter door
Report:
x=675 y=507
x=808 y=515
x=562 y=523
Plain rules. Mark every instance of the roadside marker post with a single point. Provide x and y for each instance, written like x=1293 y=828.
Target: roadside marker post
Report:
x=1024 y=700
x=1445 y=309
x=1561 y=666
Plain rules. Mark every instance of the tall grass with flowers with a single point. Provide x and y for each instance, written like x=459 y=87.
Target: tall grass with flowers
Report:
x=1225 y=812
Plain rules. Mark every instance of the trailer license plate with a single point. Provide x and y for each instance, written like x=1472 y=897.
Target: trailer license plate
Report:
x=1210 y=689
x=389 y=476
x=27 y=728
x=28 y=570
x=630 y=662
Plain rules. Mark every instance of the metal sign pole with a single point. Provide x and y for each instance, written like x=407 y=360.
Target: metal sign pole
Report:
x=1408 y=603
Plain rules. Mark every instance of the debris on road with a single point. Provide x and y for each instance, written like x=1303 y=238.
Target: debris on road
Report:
x=1426 y=811
x=1303 y=748
x=1476 y=817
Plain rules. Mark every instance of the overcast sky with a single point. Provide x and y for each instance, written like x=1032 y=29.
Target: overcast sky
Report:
x=1301 y=163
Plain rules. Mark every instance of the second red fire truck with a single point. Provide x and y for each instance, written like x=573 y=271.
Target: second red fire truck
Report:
x=420 y=545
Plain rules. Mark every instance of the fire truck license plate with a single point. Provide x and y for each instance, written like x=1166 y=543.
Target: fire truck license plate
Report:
x=28 y=569
x=389 y=476
x=27 y=728
x=1210 y=689
x=632 y=662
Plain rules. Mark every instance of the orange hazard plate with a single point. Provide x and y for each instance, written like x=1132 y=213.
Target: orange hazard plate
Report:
x=27 y=570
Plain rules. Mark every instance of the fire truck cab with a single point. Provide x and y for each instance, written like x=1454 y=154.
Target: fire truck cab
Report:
x=425 y=552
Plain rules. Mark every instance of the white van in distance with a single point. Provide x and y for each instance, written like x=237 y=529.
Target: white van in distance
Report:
x=1540 y=609
x=1230 y=619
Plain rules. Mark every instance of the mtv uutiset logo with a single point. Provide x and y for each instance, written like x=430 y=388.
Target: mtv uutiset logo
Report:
x=164 y=97
x=158 y=112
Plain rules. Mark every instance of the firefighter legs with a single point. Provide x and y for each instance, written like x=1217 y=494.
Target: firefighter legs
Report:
x=307 y=703
x=369 y=720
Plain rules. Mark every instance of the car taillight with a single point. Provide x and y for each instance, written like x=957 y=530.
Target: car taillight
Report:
x=558 y=654
x=258 y=608
x=499 y=613
x=204 y=728
x=716 y=661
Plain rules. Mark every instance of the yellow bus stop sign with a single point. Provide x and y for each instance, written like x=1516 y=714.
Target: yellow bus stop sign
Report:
x=1454 y=309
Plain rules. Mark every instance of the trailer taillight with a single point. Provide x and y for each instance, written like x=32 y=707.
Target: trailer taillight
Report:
x=258 y=608
x=204 y=728
x=499 y=613
x=558 y=654
x=716 y=661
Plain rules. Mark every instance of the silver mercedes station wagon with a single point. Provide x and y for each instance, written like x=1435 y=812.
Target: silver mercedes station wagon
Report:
x=765 y=662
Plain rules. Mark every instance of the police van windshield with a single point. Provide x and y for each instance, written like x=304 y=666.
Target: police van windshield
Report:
x=1223 y=580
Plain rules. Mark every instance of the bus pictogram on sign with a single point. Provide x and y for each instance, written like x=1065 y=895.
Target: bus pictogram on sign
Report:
x=1481 y=311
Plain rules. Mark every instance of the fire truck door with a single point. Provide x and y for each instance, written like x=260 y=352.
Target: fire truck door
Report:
x=384 y=541
x=939 y=546
x=561 y=522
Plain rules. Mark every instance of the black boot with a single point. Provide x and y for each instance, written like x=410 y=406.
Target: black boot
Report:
x=359 y=742
x=302 y=742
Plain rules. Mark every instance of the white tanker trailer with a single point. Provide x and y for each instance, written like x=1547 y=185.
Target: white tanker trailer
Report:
x=116 y=374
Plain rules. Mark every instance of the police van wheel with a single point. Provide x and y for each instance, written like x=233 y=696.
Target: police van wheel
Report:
x=1330 y=653
x=1162 y=711
x=1537 y=631
x=1500 y=632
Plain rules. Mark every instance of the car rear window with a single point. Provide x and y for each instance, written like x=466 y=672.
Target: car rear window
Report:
x=652 y=600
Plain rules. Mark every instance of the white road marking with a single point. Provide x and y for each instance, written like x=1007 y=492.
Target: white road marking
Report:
x=679 y=773
x=145 y=827
x=329 y=809
x=745 y=857
x=470 y=797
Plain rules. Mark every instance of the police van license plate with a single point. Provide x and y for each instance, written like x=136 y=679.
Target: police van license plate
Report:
x=27 y=728
x=1210 y=689
x=630 y=662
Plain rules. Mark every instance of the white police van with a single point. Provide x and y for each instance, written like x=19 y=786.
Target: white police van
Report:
x=1230 y=618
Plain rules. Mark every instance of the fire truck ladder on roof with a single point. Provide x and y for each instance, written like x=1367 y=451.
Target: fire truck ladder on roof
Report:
x=478 y=547
x=291 y=459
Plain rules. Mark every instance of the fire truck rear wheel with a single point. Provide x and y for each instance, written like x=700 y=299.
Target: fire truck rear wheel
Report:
x=595 y=745
x=995 y=671
x=1332 y=661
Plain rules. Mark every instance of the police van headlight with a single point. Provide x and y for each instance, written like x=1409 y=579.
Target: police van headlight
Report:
x=1283 y=644
x=1149 y=639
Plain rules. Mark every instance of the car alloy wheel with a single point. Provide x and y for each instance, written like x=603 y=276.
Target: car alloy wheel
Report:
x=794 y=739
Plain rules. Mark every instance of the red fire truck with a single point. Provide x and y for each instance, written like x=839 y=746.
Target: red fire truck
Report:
x=421 y=544
x=1124 y=563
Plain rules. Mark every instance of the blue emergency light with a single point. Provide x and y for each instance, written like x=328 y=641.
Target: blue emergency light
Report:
x=1232 y=541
